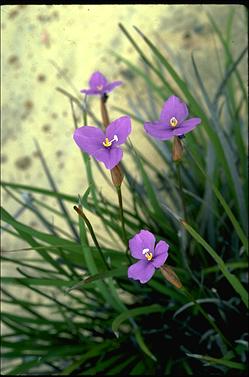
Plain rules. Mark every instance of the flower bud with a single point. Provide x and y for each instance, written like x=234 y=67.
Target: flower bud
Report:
x=117 y=175
x=177 y=150
x=171 y=276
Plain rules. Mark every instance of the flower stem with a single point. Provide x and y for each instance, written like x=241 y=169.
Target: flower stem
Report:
x=184 y=255
x=90 y=228
x=120 y=202
x=104 y=112
x=178 y=168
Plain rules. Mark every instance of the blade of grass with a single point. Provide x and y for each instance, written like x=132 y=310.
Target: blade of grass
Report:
x=17 y=186
x=232 y=279
x=103 y=289
x=228 y=54
x=134 y=312
x=214 y=361
x=143 y=346
x=226 y=207
x=54 y=188
x=122 y=271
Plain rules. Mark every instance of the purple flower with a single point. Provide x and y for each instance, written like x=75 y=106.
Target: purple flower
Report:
x=142 y=247
x=173 y=120
x=104 y=146
x=98 y=85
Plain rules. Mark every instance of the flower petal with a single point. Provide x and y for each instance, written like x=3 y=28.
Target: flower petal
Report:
x=142 y=240
x=136 y=247
x=148 y=240
x=187 y=126
x=120 y=127
x=109 y=87
x=159 y=130
x=110 y=156
x=142 y=271
x=89 y=139
x=91 y=92
x=161 y=254
x=174 y=107
x=97 y=80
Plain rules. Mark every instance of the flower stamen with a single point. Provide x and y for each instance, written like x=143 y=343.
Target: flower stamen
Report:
x=100 y=87
x=148 y=255
x=107 y=143
x=173 y=122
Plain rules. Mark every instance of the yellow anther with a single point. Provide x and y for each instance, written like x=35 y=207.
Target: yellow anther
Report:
x=107 y=143
x=173 y=122
x=148 y=256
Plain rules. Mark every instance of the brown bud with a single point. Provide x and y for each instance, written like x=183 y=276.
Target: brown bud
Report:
x=117 y=175
x=177 y=150
x=171 y=276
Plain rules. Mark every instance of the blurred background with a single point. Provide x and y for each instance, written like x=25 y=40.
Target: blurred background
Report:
x=50 y=46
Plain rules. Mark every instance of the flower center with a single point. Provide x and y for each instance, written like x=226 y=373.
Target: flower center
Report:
x=107 y=143
x=173 y=122
x=100 y=87
x=147 y=254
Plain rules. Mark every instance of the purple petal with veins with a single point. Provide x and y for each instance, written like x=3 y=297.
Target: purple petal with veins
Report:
x=142 y=271
x=109 y=156
x=186 y=126
x=161 y=254
x=120 y=127
x=97 y=81
x=98 y=85
x=142 y=246
x=172 y=121
x=174 y=107
x=158 y=130
x=89 y=139
x=109 y=87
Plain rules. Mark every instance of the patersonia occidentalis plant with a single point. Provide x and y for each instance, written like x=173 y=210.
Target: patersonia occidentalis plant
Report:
x=173 y=122
x=104 y=145
x=98 y=85
x=151 y=256
x=142 y=247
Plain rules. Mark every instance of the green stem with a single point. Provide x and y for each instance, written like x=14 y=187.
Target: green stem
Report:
x=90 y=228
x=184 y=255
x=178 y=168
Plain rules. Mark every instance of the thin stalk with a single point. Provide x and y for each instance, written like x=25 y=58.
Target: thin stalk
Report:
x=179 y=176
x=90 y=228
x=120 y=202
x=184 y=255
x=116 y=173
x=103 y=109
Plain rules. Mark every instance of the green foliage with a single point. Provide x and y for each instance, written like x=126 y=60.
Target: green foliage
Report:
x=84 y=297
